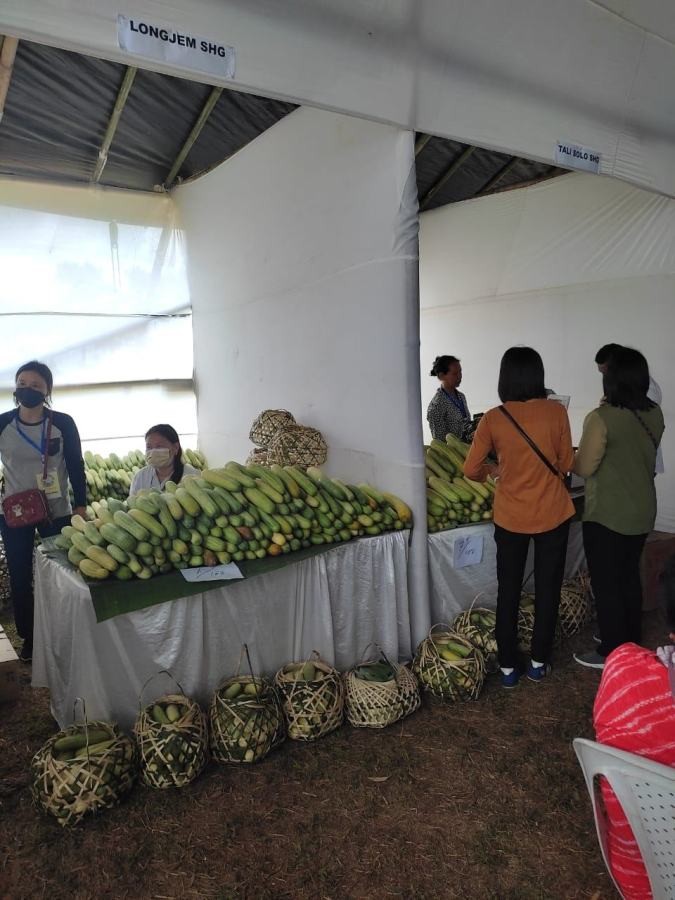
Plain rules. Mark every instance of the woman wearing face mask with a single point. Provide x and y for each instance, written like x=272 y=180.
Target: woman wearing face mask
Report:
x=28 y=434
x=163 y=456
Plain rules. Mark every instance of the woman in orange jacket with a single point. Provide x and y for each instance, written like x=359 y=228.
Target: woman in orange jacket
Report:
x=530 y=437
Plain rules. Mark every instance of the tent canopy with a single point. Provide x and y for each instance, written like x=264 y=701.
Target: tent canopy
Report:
x=60 y=105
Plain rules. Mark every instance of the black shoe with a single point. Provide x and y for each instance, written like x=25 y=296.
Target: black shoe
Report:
x=26 y=654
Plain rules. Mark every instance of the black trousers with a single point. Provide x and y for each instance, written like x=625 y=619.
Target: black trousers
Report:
x=19 y=544
x=614 y=566
x=550 y=548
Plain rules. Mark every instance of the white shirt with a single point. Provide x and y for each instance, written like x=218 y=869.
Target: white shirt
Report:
x=655 y=395
x=147 y=478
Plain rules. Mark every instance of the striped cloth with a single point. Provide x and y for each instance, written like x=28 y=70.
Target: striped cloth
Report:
x=634 y=711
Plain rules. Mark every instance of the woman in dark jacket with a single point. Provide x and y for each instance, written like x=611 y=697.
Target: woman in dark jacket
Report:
x=26 y=438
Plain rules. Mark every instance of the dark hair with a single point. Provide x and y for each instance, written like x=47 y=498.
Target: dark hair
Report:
x=170 y=433
x=42 y=370
x=605 y=353
x=521 y=375
x=442 y=364
x=626 y=380
x=667 y=579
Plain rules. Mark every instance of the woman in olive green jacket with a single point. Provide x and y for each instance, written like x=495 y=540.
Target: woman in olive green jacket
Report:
x=617 y=456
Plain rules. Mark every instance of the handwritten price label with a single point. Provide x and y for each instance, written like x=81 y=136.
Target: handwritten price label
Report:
x=467 y=551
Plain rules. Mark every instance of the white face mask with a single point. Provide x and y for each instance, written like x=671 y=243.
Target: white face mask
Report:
x=158 y=458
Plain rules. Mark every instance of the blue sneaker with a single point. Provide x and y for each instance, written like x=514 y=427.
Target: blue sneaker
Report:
x=511 y=680
x=538 y=673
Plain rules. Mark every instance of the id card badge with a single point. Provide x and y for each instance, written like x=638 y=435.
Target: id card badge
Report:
x=50 y=485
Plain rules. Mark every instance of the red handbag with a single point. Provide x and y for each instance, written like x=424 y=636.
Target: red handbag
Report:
x=29 y=507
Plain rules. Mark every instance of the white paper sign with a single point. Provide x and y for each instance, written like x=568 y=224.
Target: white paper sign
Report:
x=573 y=156
x=153 y=40
x=467 y=551
x=212 y=573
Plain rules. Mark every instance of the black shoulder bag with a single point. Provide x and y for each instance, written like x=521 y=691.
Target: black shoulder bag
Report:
x=553 y=469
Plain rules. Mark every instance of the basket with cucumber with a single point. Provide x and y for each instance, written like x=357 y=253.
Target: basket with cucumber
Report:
x=379 y=693
x=246 y=720
x=83 y=769
x=477 y=625
x=312 y=698
x=172 y=738
x=449 y=666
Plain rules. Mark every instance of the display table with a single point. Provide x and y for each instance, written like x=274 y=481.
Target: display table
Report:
x=453 y=590
x=336 y=602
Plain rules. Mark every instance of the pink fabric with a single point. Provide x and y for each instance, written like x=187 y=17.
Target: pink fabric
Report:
x=633 y=711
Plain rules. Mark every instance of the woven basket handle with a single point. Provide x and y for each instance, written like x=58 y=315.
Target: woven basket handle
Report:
x=473 y=602
x=440 y=625
x=85 y=720
x=152 y=677
x=379 y=649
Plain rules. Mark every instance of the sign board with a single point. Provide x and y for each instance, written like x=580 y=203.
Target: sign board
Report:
x=213 y=573
x=467 y=551
x=574 y=156
x=153 y=40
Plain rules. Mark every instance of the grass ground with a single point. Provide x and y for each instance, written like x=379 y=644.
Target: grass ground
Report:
x=476 y=800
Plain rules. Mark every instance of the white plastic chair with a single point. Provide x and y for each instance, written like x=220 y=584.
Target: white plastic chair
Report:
x=646 y=792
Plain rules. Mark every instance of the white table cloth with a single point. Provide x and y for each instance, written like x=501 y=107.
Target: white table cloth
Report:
x=336 y=602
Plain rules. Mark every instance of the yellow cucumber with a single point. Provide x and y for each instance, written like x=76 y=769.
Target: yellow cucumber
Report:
x=214 y=543
x=220 y=478
x=119 y=555
x=370 y=491
x=466 y=495
x=240 y=474
x=116 y=535
x=478 y=488
x=458 y=446
x=292 y=486
x=187 y=501
x=81 y=542
x=206 y=504
x=148 y=522
x=260 y=499
x=447 y=491
x=168 y=521
x=78 y=522
x=306 y=484
x=173 y=506
x=145 y=502
x=92 y=534
x=266 y=488
x=129 y=523
x=102 y=558
x=266 y=475
x=92 y=570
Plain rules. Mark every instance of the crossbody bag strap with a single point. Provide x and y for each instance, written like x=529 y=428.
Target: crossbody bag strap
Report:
x=549 y=465
x=49 y=437
x=646 y=428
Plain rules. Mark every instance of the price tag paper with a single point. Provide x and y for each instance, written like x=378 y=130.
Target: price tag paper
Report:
x=467 y=551
x=212 y=573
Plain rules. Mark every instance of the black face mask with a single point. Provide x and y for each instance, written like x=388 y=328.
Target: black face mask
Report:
x=29 y=397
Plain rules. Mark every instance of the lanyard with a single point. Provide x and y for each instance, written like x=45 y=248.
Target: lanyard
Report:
x=456 y=402
x=42 y=446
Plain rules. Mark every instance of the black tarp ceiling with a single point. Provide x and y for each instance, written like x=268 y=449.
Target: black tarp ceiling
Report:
x=59 y=105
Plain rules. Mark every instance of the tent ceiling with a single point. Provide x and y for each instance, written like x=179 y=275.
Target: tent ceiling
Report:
x=76 y=119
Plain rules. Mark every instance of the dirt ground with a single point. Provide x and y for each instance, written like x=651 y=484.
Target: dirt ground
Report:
x=475 y=800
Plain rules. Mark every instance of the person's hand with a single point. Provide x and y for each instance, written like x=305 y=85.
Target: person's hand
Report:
x=80 y=511
x=493 y=472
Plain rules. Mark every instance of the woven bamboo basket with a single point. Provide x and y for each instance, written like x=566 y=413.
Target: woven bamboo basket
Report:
x=266 y=425
x=260 y=456
x=245 y=727
x=377 y=704
x=311 y=708
x=69 y=789
x=575 y=608
x=477 y=625
x=172 y=755
x=445 y=679
x=297 y=445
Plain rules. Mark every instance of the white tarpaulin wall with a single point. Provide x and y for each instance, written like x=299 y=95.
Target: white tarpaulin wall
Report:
x=94 y=284
x=565 y=266
x=517 y=76
x=302 y=260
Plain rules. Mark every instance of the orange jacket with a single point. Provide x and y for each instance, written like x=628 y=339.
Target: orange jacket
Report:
x=529 y=498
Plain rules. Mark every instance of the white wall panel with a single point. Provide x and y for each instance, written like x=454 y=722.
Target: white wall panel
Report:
x=302 y=260
x=564 y=267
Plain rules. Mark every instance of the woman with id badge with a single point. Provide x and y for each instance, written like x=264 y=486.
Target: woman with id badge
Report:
x=41 y=454
x=163 y=454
